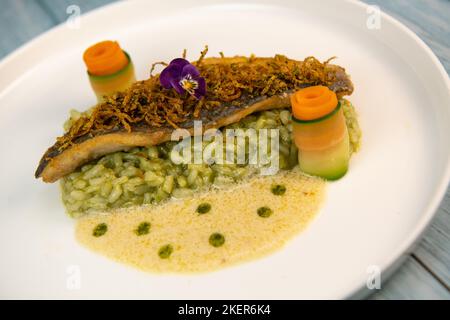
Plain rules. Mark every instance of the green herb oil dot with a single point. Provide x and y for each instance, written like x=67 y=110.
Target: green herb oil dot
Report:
x=143 y=228
x=216 y=240
x=203 y=208
x=278 y=189
x=165 y=251
x=100 y=230
x=264 y=212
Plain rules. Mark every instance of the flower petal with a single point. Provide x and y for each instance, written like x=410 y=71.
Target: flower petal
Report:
x=201 y=90
x=170 y=73
x=175 y=83
x=179 y=69
x=179 y=62
x=190 y=69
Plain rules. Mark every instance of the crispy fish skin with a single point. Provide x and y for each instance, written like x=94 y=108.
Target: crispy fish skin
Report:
x=61 y=164
x=57 y=163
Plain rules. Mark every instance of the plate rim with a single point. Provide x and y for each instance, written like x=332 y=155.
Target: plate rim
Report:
x=400 y=254
x=394 y=258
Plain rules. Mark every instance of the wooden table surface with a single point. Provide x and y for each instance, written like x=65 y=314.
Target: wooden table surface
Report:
x=426 y=272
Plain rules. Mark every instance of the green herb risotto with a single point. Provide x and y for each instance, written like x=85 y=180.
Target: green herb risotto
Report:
x=147 y=175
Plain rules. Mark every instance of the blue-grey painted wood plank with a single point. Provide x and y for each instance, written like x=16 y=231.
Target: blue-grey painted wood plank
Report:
x=58 y=8
x=20 y=21
x=411 y=282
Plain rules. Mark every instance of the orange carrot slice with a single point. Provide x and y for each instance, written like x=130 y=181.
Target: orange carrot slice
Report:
x=313 y=102
x=105 y=58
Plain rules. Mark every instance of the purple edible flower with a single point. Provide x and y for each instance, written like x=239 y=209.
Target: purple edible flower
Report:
x=183 y=77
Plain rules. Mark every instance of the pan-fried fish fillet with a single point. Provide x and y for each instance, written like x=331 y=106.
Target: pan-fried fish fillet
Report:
x=282 y=76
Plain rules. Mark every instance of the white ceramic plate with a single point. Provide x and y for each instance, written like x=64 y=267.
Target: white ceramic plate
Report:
x=370 y=218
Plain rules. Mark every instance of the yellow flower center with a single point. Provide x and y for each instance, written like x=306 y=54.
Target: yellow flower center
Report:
x=189 y=84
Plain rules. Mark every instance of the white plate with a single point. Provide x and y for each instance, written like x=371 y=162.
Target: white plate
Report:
x=370 y=218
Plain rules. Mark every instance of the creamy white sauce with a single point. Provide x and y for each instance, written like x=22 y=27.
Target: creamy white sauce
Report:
x=233 y=214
